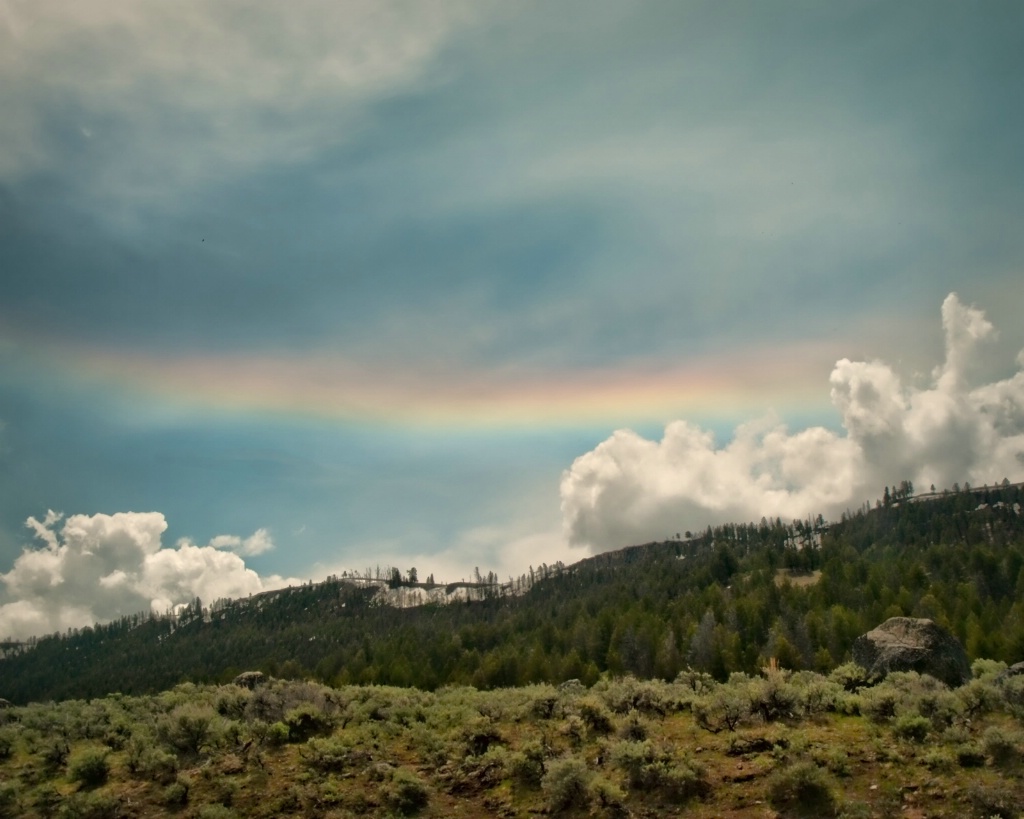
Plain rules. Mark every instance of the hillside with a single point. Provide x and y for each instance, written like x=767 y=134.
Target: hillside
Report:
x=777 y=744
x=724 y=601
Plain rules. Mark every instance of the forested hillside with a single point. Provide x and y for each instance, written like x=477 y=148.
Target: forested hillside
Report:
x=724 y=601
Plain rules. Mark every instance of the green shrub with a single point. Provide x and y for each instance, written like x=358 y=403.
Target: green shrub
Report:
x=216 y=812
x=992 y=800
x=526 y=765
x=6 y=743
x=276 y=734
x=1012 y=690
x=879 y=703
x=851 y=677
x=725 y=708
x=175 y=795
x=978 y=697
x=651 y=769
x=567 y=783
x=835 y=760
x=818 y=695
x=406 y=793
x=307 y=720
x=772 y=697
x=1001 y=745
x=595 y=715
x=90 y=767
x=803 y=789
x=939 y=759
x=698 y=682
x=10 y=800
x=911 y=727
x=232 y=701
x=189 y=729
x=54 y=753
x=635 y=728
x=982 y=669
x=157 y=765
x=608 y=797
x=480 y=735
x=90 y=805
x=326 y=755
x=47 y=800
x=970 y=755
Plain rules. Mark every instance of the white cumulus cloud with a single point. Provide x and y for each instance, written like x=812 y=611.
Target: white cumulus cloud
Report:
x=95 y=568
x=630 y=489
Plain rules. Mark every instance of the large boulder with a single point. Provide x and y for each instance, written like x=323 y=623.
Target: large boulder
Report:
x=911 y=644
x=250 y=679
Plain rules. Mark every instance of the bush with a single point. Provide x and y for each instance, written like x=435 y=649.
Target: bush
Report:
x=726 y=707
x=216 y=812
x=635 y=728
x=175 y=795
x=526 y=765
x=819 y=695
x=6 y=744
x=47 y=800
x=805 y=790
x=595 y=715
x=879 y=703
x=649 y=768
x=92 y=805
x=406 y=792
x=567 y=783
x=993 y=800
x=90 y=767
x=275 y=735
x=1012 y=689
x=157 y=765
x=772 y=697
x=939 y=759
x=188 y=729
x=55 y=753
x=10 y=801
x=608 y=797
x=911 y=727
x=326 y=755
x=978 y=697
x=835 y=760
x=851 y=677
x=307 y=720
x=1001 y=745
x=970 y=755
x=232 y=701
x=982 y=669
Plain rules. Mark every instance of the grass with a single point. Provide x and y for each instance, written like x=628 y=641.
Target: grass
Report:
x=621 y=748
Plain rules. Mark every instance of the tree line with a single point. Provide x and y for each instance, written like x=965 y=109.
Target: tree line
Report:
x=729 y=599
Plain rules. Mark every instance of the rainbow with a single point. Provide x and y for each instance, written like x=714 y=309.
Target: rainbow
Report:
x=741 y=383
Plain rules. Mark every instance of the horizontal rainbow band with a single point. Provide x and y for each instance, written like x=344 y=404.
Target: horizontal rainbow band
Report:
x=332 y=386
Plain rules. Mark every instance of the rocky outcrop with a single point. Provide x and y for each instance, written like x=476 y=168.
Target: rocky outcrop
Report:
x=909 y=644
x=250 y=679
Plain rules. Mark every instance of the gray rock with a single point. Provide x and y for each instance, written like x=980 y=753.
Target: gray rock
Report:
x=1014 y=670
x=910 y=644
x=250 y=679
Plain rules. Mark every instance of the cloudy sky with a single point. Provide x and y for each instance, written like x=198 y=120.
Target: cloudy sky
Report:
x=287 y=289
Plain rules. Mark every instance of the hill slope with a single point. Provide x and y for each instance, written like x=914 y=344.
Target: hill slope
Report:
x=724 y=601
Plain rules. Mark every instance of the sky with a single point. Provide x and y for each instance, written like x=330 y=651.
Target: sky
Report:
x=292 y=289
